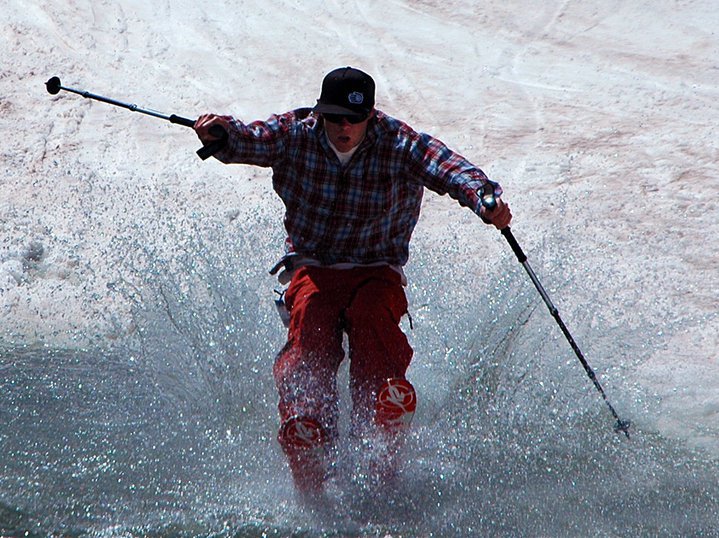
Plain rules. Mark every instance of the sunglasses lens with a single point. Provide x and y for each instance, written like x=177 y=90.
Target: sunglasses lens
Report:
x=339 y=118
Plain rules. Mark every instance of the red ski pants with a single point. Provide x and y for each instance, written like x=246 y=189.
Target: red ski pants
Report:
x=367 y=304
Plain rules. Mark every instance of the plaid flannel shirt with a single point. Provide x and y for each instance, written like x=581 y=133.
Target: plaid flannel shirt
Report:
x=361 y=213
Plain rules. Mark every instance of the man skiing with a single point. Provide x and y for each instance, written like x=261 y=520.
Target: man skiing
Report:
x=351 y=179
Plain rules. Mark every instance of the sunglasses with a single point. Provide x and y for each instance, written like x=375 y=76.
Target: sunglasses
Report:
x=339 y=118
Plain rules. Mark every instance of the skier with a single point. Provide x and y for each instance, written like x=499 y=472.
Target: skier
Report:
x=351 y=179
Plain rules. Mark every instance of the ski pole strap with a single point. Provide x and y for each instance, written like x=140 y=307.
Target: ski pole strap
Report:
x=507 y=233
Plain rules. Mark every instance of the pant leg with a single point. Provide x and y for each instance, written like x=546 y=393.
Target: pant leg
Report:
x=378 y=348
x=305 y=370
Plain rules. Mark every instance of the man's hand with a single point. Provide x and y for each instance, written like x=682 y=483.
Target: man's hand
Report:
x=205 y=123
x=499 y=217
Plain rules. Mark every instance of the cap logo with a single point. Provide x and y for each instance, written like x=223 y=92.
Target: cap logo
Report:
x=356 y=98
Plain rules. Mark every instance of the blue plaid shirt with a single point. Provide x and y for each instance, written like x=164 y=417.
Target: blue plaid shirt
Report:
x=363 y=212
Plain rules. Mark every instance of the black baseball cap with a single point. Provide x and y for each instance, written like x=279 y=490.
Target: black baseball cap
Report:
x=346 y=91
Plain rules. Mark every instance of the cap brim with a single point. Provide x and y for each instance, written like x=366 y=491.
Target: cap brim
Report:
x=336 y=109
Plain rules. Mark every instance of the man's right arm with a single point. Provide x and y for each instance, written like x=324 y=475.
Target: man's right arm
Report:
x=447 y=172
x=261 y=143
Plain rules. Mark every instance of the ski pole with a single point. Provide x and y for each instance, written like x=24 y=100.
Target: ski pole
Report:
x=489 y=201
x=54 y=86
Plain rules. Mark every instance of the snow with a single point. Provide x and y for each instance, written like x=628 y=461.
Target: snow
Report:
x=599 y=119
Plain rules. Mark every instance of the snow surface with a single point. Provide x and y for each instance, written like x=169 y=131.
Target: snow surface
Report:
x=599 y=119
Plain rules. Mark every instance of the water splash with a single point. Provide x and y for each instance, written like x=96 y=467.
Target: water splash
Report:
x=170 y=430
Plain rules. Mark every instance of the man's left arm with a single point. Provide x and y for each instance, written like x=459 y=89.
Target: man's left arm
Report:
x=446 y=172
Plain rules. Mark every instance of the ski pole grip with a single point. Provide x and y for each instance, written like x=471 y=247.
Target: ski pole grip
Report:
x=487 y=198
x=507 y=233
x=207 y=151
x=210 y=149
x=182 y=121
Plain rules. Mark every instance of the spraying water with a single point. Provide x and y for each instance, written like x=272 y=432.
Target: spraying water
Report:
x=170 y=430
x=138 y=329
